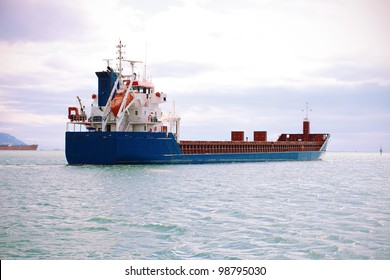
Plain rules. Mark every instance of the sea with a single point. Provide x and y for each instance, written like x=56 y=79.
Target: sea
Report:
x=336 y=208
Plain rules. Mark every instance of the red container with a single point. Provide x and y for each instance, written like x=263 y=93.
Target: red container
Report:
x=319 y=137
x=237 y=135
x=259 y=136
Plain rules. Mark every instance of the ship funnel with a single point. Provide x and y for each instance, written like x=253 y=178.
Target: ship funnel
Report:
x=306 y=124
x=306 y=130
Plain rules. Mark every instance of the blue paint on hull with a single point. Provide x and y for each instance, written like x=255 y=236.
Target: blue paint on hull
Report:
x=156 y=148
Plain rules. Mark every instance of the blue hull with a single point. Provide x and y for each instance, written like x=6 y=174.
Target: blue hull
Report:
x=156 y=148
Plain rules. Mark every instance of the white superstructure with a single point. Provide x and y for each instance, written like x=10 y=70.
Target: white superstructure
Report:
x=133 y=105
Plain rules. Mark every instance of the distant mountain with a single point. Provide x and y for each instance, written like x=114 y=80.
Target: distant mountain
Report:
x=8 y=139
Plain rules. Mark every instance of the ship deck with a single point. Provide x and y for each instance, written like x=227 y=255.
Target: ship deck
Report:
x=233 y=147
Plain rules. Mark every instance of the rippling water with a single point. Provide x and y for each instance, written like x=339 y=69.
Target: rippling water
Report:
x=338 y=208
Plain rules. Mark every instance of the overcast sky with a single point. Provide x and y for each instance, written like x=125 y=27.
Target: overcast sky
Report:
x=229 y=65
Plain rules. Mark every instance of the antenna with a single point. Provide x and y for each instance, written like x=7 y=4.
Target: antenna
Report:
x=132 y=63
x=109 y=69
x=120 y=57
x=307 y=111
x=146 y=50
x=108 y=61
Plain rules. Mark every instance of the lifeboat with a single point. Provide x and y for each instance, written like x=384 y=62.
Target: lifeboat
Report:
x=118 y=99
x=74 y=116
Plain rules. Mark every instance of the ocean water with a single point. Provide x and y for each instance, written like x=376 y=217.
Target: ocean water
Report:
x=337 y=208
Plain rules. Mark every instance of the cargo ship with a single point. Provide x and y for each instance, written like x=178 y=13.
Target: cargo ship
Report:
x=10 y=147
x=11 y=143
x=127 y=126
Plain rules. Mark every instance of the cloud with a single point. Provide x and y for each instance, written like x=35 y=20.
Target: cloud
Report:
x=151 y=6
x=38 y=119
x=43 y=128
x=40 y=20
x=355 y=73
x=269 y=42
x=337 y=110
x=228 y=64
x=179 y=69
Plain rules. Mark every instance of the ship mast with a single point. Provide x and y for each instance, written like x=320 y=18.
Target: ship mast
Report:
x=307 y=112
x=145 y=77
x=120 y=57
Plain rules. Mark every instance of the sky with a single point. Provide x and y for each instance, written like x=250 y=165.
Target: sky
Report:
x=226 y=65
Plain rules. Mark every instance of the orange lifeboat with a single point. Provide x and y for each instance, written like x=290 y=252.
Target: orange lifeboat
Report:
x=73 y=113
x=118 y=99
